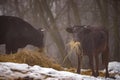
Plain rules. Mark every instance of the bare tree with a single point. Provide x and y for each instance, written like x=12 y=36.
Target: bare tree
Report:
x=75 y=10
x=103 y=7
x=116 y=30
x=49 y=23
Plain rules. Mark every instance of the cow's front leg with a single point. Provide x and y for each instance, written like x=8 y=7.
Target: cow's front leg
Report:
x=97 y=65
x=79 y=64
x=10 y=48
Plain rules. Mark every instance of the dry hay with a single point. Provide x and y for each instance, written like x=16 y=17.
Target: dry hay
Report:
x=101 y=73
x=89 y=72
x=74 y=46
x=30 y=57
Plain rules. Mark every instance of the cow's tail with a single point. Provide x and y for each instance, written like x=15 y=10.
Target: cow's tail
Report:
x=105 y=57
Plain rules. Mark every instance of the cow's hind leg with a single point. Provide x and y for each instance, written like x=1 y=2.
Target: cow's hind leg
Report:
x=97 y=65
x=105 y=60
x=91 y=64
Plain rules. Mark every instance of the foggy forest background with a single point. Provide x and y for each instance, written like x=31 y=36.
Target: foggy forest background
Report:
x=56 y=15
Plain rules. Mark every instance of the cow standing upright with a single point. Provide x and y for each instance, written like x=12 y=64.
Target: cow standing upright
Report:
x=94 y=41
x=16 y=33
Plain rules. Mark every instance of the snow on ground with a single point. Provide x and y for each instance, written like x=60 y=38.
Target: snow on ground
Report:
x=9 y=70
x=114 y=67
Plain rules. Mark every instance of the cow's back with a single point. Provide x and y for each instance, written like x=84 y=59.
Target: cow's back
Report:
x=8 y=22
x=14 y=26
x=95 y=40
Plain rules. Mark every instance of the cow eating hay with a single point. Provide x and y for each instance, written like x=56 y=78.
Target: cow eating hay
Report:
x=94 y=41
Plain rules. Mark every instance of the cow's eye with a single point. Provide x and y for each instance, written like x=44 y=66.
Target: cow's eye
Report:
x=75 y=29
x=70 y=30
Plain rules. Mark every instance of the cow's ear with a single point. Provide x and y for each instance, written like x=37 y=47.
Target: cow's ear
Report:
x=41 y=29
x=70 y=30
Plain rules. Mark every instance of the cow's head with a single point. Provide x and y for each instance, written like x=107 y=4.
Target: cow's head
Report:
x=37 y=38
x=78 y=31
x=41 y=36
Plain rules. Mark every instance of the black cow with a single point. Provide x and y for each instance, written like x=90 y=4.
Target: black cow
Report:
x=16 y=33
x=94 y=41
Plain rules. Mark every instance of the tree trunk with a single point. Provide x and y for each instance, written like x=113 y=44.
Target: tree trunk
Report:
x=50 y=24
x=75 y=10
x=116 y=31
x=103 y=7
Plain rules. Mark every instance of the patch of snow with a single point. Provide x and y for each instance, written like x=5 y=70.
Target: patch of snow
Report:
x=11 y=70
x=114 y=67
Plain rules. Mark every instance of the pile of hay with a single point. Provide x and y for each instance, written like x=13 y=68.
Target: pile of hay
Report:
x=89 y=72
x=74 y=46
x=30 y=57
